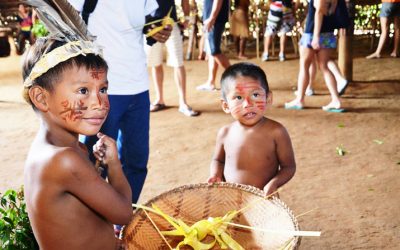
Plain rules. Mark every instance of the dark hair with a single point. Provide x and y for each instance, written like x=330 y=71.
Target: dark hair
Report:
x=243 y=69
x=52 y=76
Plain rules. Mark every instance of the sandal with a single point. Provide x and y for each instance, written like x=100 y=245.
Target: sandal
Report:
x=206 y=87
x=157 y=107
x=293 y=105
x=188 y=111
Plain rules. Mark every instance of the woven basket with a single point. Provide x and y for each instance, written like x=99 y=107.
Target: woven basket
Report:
x=192 y=203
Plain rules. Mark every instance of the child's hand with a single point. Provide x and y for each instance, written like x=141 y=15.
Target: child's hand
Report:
x=105 y=149
x=213 y=179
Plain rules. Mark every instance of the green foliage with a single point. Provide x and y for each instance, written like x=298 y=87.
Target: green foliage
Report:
x=15 y=230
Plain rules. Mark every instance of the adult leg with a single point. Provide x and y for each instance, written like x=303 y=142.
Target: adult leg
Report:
x=242 y=47
x=282 y=45
x=313 y=73
x=306 y=58
x=267 y=42
x=395 y=51
x=382 y=38
x=222 y=60
x=133 y=142
x=340 y=80
x=323 y=59
x=202 y=54
x=180 y=80
x=158 y=78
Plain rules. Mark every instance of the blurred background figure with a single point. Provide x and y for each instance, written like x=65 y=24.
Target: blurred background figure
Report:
x=390 y=10
x=280 y=20
x=25 y=22
x=239 y=22
x=174 y=47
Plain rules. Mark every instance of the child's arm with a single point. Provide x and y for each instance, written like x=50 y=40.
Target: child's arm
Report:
x=218 y=160
x=111 y=201
x=105 y=150
x=287 y=164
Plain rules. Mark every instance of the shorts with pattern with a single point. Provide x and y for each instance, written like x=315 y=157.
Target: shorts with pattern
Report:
x=326 y=40
x=390 y=10
x=174 y=46
x=280 y=19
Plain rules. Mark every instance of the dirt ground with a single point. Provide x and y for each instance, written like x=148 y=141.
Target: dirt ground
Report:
x=356 y=197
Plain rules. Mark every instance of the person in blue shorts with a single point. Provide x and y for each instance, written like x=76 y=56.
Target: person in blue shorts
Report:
x=215 y=15
x=318 y=40
x=390 y=10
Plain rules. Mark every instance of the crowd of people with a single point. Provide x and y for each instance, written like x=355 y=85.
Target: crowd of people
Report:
x=98 y=105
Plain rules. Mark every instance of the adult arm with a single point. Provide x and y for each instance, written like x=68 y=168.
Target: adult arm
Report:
x=218 y=161
x=209 y=23
x=287 y=164
x=320 y=10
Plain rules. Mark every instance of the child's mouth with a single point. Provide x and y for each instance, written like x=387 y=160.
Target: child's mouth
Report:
x=250 y=115
x=95 y=120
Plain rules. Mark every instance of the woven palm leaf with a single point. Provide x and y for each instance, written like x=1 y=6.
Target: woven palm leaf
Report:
x=192 y=203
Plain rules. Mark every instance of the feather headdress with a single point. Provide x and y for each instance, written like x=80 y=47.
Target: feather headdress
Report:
x=64 y=24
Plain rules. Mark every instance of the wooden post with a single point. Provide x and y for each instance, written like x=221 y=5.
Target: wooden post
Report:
x=345 y=60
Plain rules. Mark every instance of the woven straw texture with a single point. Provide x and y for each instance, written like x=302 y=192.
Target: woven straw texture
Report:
x=192 y=203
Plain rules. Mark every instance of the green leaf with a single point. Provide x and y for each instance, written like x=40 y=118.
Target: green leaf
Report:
x=340 y=125
x=340 y=150
x=379 y=142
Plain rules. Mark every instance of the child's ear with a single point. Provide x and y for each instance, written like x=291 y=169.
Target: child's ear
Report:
x=225 y=106
x=269 y=98
x=38 y=97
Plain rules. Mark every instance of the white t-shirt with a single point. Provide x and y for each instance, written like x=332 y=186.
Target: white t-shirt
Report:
x=118 y=25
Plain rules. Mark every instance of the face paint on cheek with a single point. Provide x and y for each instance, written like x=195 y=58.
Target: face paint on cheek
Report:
x=97 y=73
x=261 y=105
x=235 y=110
x=72 y=110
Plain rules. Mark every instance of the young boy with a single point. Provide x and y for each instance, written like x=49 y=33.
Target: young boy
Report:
x=252 y=150
x=69 y=205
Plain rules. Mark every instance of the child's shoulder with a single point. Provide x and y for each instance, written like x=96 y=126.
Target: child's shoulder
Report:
x=273 y=126
x=60 y=161
x=223 y=131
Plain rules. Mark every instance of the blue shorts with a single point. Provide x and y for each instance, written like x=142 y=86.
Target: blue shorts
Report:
x=390 y=10
x=213 y=41
x=326 y=40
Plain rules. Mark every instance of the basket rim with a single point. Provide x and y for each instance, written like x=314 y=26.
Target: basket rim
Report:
x=243 y=187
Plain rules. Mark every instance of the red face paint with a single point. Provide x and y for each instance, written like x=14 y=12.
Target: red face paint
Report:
x=72 y=111
x=96 y=73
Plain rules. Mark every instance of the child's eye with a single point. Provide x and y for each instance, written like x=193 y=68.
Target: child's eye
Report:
x=83 y=91
x=103 y=90
x=256 y=95
x=238 y=97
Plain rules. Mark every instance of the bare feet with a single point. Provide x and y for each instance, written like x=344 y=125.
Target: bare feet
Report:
x=393 y=54
x=374 y=56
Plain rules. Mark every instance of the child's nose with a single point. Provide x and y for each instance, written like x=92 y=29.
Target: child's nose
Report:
x=96 y=101
x=247 y=102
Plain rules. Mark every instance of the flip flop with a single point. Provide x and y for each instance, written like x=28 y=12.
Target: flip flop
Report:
x=293 y=106
x=333 y=110
x=157 y=107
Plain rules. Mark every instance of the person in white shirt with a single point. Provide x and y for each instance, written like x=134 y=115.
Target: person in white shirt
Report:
x=118 y=26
